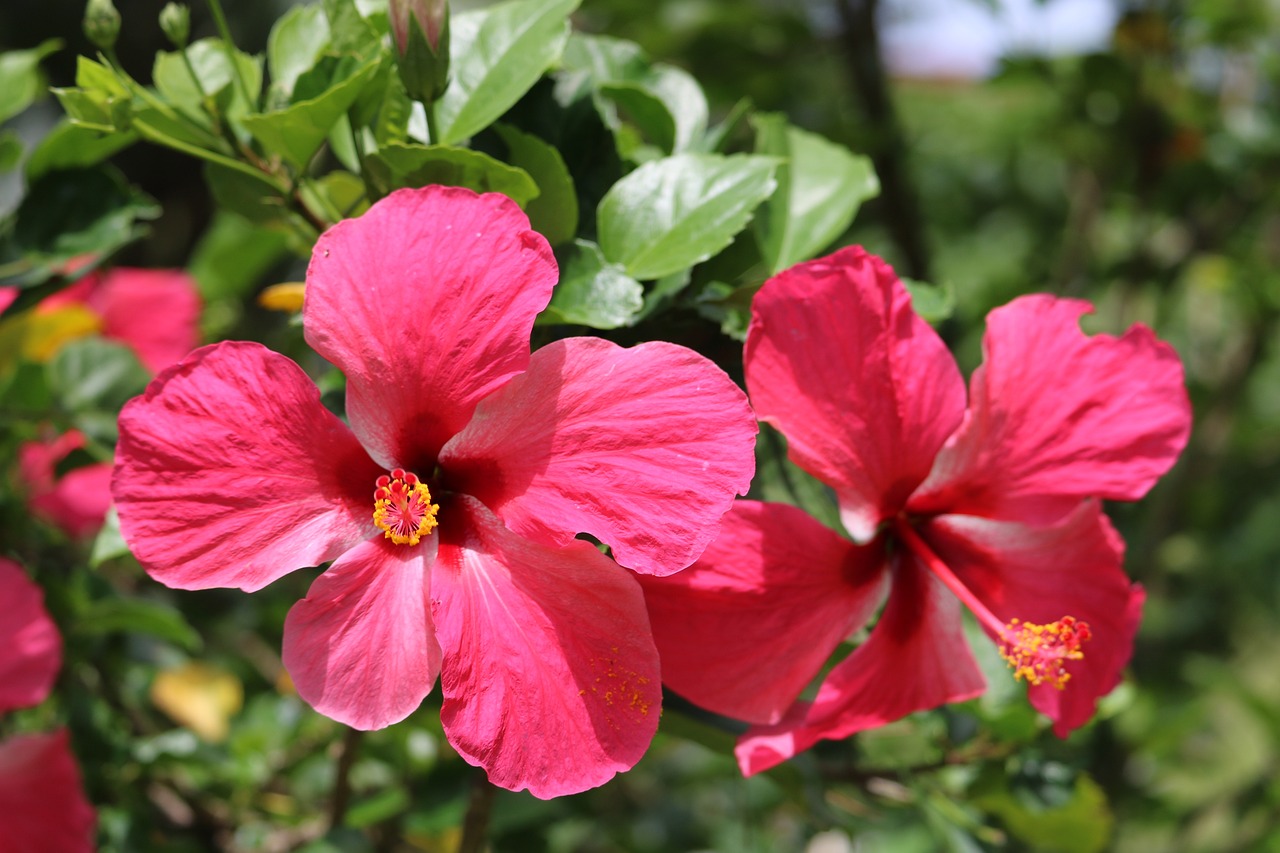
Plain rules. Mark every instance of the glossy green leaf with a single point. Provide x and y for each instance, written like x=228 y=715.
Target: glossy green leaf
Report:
x=933 y=302
x=821 y=185
x=137 y=616
x=496 y=55
x=592 y=292
x=667 y=104
x=349 y=31
x=295 y=45
x=1081 y=824
x=20 y=79
x=109 y=544
x=95 y=374
x=297 y=131
x=214 y=74
x=70 y=146
x=232 y=256
x=672 y=213
x=411 y=165
x=554 y=213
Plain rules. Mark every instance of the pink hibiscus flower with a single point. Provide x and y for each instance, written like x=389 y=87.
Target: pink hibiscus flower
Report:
x=76 y=502
x=42 y=804
x=450 y=505
x=995 y=507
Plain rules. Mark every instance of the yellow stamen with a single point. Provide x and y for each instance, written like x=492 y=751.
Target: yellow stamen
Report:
x=402 y=508
x=1039 y=653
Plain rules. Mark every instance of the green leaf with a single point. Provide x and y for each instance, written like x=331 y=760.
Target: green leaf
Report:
x=256 y=200
x=215 y=74
x=496 y=55
x=381 y=806
x=591 y=61
x=95 y=374
x=683 y=104
x=109 y=544
x=232 y=256
x=1080 y=825
x=297 y=131
x=339 y=194
x=20 y=79
x=592 y=292
x=821 y=185
x=295 y=45
x=933 y=302
x=10 y=150
x=137 y=616
x=349 y=31
x=70 y=146
x=554 y=213
x=411 y=165
x=78 y=212
x=672 y=213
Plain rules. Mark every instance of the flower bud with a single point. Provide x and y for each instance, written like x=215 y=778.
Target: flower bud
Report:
x=101 y=23
x=421 y=32
x=175 y=22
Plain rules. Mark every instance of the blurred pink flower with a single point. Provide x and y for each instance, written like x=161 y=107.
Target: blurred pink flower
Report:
x=42 y=803
x=76 y=502
x=995 y=506
x=450 y=505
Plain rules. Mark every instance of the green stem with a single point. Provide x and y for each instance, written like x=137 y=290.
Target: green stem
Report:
x=475 y=826
x=433 y=126
x=153 y=135
x=342 y=778
x=220 y=20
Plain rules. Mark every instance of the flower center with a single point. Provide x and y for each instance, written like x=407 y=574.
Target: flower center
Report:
x=1039 y=653
x=402 y=507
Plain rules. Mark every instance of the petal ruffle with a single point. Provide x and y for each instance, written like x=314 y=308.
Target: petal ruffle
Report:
x=360 y=647
x=1041 y=574
x=863 y=389
x=30 y=646
x=78 y=501
x=550 y=676
x=1056 y=416
x=229 y=472
x=643 y=448
x=155 y=312
x=742 y=631
x=426 y=303
x=915 y=659
x=42 y=802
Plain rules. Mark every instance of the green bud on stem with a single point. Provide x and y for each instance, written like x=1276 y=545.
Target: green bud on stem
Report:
x=421 y=32
x=175 y=22
x=101 y=23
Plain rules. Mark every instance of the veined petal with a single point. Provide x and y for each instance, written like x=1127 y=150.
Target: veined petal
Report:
x=1041 y=574
x=361 y=647
x=742 y=631
x=915 y=659
x=155 y=312
x=1056 y=416
x=30 y=646
x=863 y=389
x=550 y=676
x=643 y=448
x=426 y=303
x=42 y=803
x=229 y=472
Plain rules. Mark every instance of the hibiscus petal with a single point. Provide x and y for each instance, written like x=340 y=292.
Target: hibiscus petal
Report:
x=1041 y=574
x=361 y=647
x=78 y=501
x=1056 y=416
x=744 y=629
x=915 y=659
x=30 y=646
x=863 y=389
x=550 y=676
x=42 y=802
x=155 y=312
x=643 y=448
x=229 y=472
x=426 y=303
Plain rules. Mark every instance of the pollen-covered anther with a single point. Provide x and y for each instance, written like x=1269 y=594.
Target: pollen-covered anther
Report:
x=402 y=507
x=1039 y=653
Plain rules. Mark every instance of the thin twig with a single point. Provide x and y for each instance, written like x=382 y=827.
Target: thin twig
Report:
x=342 y=777
x=475 y=826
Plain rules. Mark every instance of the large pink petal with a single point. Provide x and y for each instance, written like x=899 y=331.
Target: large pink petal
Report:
x=43 y=808
x=155 y=312
x=1040 y=575
x=742 y=631
x=915 y=659
x=1056 y=416
x=78 y=501
x=30 y=646
x=426 y=303
x=644 y=448
x=229 y=472
x=550 y=676
x=862 y=388
x=361 y=647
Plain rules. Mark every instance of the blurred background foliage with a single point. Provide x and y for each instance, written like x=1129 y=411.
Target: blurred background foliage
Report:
x=1142 y=175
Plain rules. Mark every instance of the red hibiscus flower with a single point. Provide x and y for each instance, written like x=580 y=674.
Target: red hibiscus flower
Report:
x=42 y=805
x=450 y=505
x=994 y=507
x=76 y=502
